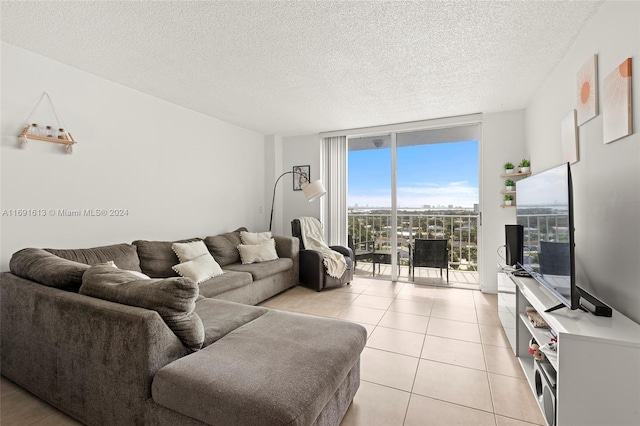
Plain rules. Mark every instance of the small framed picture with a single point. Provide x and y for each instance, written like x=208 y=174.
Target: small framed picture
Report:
x=301 y=176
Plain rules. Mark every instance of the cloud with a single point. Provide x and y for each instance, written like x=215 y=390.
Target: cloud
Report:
x=419 y=195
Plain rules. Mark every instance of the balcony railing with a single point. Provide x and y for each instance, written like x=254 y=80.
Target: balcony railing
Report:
x=460 y=229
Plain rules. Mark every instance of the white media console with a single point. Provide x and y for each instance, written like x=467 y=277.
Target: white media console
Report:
x=596 y=365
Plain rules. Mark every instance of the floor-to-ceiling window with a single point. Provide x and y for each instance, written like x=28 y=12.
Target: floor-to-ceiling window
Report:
x=417 y=184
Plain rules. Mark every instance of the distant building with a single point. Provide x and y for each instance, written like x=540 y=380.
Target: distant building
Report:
x=476 y=208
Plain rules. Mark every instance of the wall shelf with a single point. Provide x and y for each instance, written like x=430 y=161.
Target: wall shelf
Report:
x=512 y=176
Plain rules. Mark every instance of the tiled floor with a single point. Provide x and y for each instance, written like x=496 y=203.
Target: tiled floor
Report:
x=435 y=356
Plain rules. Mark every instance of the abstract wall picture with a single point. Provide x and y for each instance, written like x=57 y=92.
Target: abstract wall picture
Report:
x=587 y=91
x=617 y=110
x=569 y=131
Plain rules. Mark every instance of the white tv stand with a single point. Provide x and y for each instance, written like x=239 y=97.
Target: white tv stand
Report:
x=597 y=363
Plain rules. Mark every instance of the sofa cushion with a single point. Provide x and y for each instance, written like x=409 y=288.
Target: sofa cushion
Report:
x=173 y=298
x=279 y=369
x=256 y=253
x=46 y=268
x=228 y=281
x=224 y=247
x=157 y=257
x=125 y=256
x=220 y=317
x=264 y=269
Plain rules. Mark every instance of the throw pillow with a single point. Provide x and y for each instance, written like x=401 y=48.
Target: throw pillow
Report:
x=189 y=251
x=255 y=253
x=173 y=298
x=197 y=262
x=199 y=269
x=250 y=238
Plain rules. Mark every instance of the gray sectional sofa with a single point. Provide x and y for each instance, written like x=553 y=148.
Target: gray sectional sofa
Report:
x=108 y=348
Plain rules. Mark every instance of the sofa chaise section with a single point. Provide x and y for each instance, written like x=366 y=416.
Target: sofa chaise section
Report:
x=279 y=369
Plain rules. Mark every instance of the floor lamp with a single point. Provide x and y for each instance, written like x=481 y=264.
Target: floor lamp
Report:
x=313 y=191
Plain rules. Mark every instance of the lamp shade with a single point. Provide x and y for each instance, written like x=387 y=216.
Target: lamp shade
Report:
x=314 y=190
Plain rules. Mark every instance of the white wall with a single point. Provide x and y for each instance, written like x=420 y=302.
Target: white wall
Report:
x=177 y=172
x=502 y=141
x=607 y=177
x=299 y=151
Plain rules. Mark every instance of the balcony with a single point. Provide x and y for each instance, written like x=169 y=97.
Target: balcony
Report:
x=374 y=228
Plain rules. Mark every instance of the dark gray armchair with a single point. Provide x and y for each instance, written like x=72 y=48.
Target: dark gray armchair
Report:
x=430 y=254
x=312 y=271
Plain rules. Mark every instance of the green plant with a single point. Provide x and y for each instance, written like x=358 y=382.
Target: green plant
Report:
x=508 y=166
x=508 y=197
x=525 y=163
x=509 y=182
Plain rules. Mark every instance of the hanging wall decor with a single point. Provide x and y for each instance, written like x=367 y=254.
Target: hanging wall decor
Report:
x=617 y=109
x=569 y=130
x=587 y=91
x=57 y=133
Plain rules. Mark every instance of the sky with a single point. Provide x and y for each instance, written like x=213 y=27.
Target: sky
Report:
x=440 y=174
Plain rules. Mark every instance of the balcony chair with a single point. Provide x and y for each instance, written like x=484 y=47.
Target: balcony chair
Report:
x=429 y=253
x=312 y=270
x=361 y=250
x=554 y=258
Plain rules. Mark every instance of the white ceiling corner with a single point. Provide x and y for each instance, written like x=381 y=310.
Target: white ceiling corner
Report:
x=295 y=68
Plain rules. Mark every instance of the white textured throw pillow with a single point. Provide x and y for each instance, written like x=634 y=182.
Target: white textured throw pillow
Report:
x=252 y=238
x=189 y=251
x=196 y=261
x=255 y=253
x=199 y=269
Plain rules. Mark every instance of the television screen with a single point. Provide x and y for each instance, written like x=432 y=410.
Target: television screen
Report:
x=545 y=211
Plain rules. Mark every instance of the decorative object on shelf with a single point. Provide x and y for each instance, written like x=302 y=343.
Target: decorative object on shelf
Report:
x=508 y=168
x=587 y=91
x=509 y=185
x=617 y=114
x=535 y=318
x=47 y=133
x=569 y=132
x=300 y=177
x=525 y=166
x=312 y=190
x=534 y=350
x=508 y=200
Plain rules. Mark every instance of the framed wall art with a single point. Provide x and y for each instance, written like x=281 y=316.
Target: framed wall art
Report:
x=569 y=130
x=301 y=176
x=587 y=91
x=617 y=114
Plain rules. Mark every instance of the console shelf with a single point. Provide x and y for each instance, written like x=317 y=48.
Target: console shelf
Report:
x=597 y=363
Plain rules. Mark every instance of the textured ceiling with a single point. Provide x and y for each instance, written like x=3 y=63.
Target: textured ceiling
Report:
x=295 y=68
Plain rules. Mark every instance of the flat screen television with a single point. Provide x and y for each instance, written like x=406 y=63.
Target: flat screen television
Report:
x=545 y=211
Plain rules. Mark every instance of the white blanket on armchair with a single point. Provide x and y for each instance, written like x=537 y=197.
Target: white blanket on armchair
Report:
x=312 y=239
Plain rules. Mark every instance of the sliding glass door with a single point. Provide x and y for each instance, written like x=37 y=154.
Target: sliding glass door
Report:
x=414 y=185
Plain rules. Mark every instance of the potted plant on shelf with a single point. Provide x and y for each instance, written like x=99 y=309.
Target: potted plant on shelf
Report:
x=525 y=166
x=508 y=168
x=510 y=185
x=508 y=200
